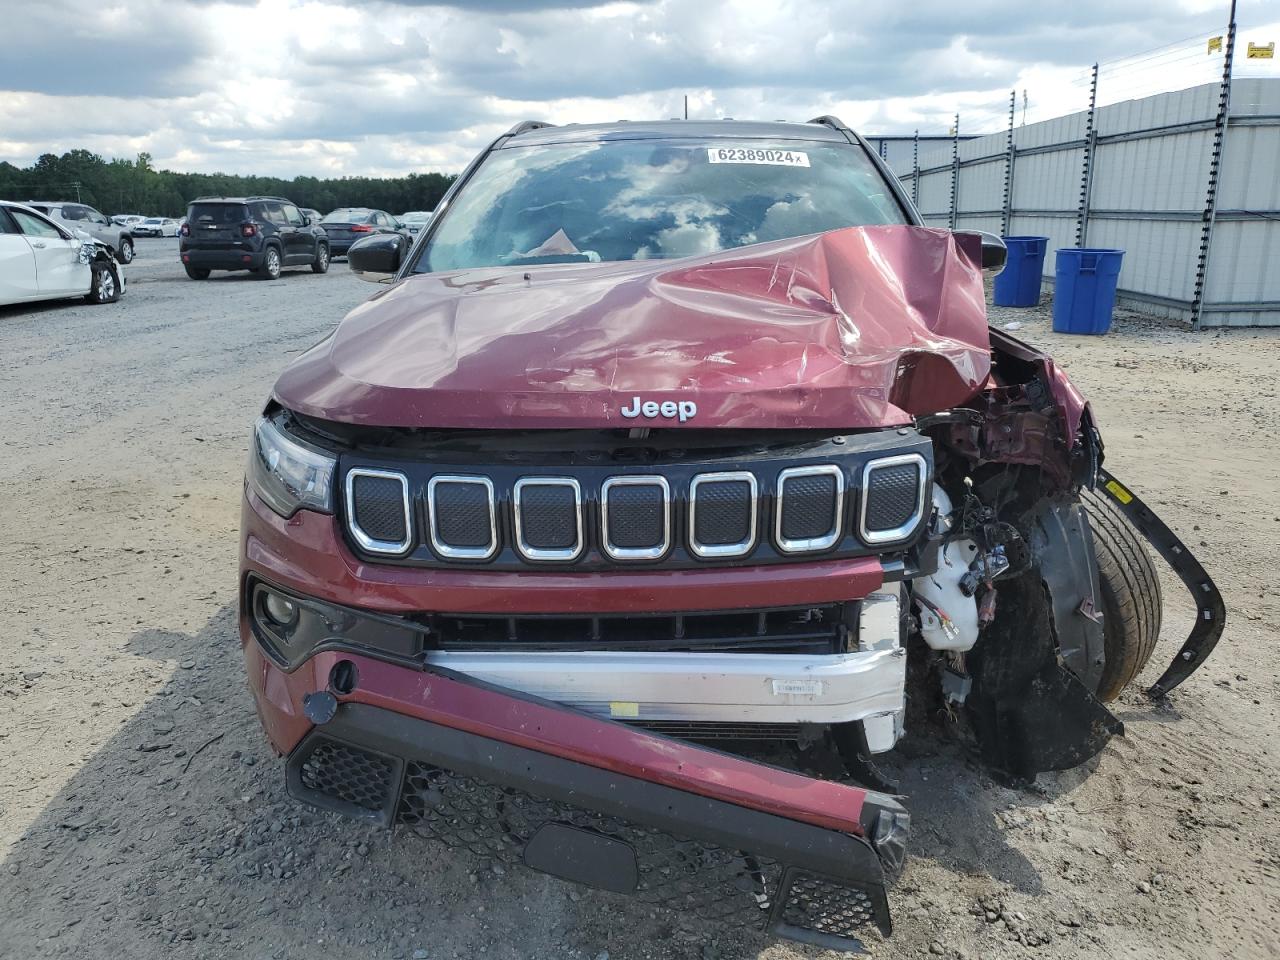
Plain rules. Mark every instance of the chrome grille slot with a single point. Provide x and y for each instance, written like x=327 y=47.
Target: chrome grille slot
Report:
x=636 y=517
x=810 y=508
x=548 y=518
x=463 y=517
x=893 y=498
x=378 y=515
x=722 y=514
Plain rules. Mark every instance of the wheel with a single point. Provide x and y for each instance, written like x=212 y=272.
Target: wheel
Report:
x=196 y=273
x=1130 y=587
x=270 y=265
x=321 y=263
x=104 y=287
x=125 y=253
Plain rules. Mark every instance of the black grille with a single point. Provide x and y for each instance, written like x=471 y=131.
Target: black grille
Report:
x=722 y=513
x=636 y=516
x=712 y=733
x=813 y=630
x=462 y=515
x=675 y=872
x=548 y=516
x=825 y=906
x=892 y=496
x=348 y=774
x=809 y=507
x=379 y=508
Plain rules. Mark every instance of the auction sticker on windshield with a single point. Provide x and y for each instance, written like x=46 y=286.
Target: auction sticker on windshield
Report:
x=776 y=158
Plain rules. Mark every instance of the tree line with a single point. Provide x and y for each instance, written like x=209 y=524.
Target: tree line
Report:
x=135 y=186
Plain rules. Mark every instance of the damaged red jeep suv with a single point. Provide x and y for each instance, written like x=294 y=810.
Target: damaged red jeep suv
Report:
x=666 y=446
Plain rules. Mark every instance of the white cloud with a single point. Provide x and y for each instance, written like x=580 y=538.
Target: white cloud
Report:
x=327 y=87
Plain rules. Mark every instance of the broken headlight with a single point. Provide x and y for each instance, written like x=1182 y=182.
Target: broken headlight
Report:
x=289 y=475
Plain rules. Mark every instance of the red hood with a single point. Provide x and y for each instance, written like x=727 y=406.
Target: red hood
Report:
x=856 y=328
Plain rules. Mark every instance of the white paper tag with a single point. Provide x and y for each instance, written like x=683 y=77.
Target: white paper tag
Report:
x=770 y=157
x=802 y=688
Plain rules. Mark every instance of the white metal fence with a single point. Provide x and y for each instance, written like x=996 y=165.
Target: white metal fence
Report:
x=1201 y=232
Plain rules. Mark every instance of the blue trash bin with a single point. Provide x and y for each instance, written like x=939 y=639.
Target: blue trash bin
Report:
x=1084 y=294
x=1018 y=284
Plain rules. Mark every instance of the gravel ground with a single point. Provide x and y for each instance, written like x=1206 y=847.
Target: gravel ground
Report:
x=142 y=815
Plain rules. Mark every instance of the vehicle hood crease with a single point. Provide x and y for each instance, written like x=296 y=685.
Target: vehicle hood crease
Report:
x=856 y=328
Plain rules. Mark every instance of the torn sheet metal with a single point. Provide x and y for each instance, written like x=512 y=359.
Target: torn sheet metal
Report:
x=857 y=328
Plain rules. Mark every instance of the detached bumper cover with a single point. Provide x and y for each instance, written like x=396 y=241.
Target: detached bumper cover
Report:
x=618 y=832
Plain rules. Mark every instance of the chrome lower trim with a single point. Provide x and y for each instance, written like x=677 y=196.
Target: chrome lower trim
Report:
x=462 y=553
x=724 y=687
x=366 y=542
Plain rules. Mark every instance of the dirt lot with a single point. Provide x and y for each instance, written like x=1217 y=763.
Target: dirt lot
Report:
x=142 y=816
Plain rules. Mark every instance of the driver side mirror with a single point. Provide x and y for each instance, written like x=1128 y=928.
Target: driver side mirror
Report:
x=994 y=252
x=377 y=258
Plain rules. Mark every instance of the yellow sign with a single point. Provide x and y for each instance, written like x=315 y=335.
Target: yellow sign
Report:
x=1258 y=52
x=1215 y=44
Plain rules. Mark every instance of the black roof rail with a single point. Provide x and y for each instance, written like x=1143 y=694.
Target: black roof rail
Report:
x=827 y=120
x=524 y=126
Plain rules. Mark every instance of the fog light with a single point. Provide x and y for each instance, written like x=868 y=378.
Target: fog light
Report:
x=280 y=610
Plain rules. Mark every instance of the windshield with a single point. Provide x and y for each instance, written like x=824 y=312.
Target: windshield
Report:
x=653 y=199
x=347 y=215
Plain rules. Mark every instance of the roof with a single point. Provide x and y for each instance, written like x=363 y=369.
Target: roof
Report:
x=236 y=199
x=527 y=133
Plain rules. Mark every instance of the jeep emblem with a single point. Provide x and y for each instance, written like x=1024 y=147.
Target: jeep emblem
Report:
x=670 y=409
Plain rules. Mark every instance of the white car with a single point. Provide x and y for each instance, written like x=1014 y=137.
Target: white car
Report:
x=155 y=227
x=415 y=220
x=40 y=259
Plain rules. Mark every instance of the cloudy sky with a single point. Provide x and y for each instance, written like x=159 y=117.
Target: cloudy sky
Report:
x=386 y=87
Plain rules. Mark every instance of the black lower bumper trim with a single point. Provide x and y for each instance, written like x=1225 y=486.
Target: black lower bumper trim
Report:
x=674 y=849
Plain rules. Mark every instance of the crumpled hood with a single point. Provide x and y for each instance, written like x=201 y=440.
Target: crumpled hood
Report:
x=857 y=328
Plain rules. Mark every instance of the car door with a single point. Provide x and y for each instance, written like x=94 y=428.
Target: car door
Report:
x=101 y=228
x=300 y=245
x=59 y=271
x=17 y=263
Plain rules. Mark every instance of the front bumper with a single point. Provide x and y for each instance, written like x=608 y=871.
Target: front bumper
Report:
x=593 y=802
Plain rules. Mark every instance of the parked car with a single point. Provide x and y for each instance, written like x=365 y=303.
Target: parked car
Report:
x=79 y=216
x=41 y=259
x=675 y=432
x=156 y=227
x=346 y=225
x=259 y=234
x=127 y=219
x=415 y=220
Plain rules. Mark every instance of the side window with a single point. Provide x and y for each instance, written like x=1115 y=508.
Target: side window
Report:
x=94 y=215
x=33 y=226
x=271 y=213
x=73 y=212
x=6 y=222
x=292 y=215
x=382 y=220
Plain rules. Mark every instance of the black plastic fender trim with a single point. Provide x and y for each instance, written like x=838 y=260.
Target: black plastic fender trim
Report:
x=1211 y=611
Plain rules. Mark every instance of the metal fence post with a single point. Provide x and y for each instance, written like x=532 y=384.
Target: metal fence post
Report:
x=1215 y=166
x=1006 y=213
x=1086 y=173
x=915 y=169
x=955 y=170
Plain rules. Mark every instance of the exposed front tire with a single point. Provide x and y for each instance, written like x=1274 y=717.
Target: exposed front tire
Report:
x=125 y=251
x=105 y=288
x=196 y=273
x=321 y=263
x=1130 y=587
x=270 y=265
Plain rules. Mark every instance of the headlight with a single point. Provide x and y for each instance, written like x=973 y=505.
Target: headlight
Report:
x=289 y=475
